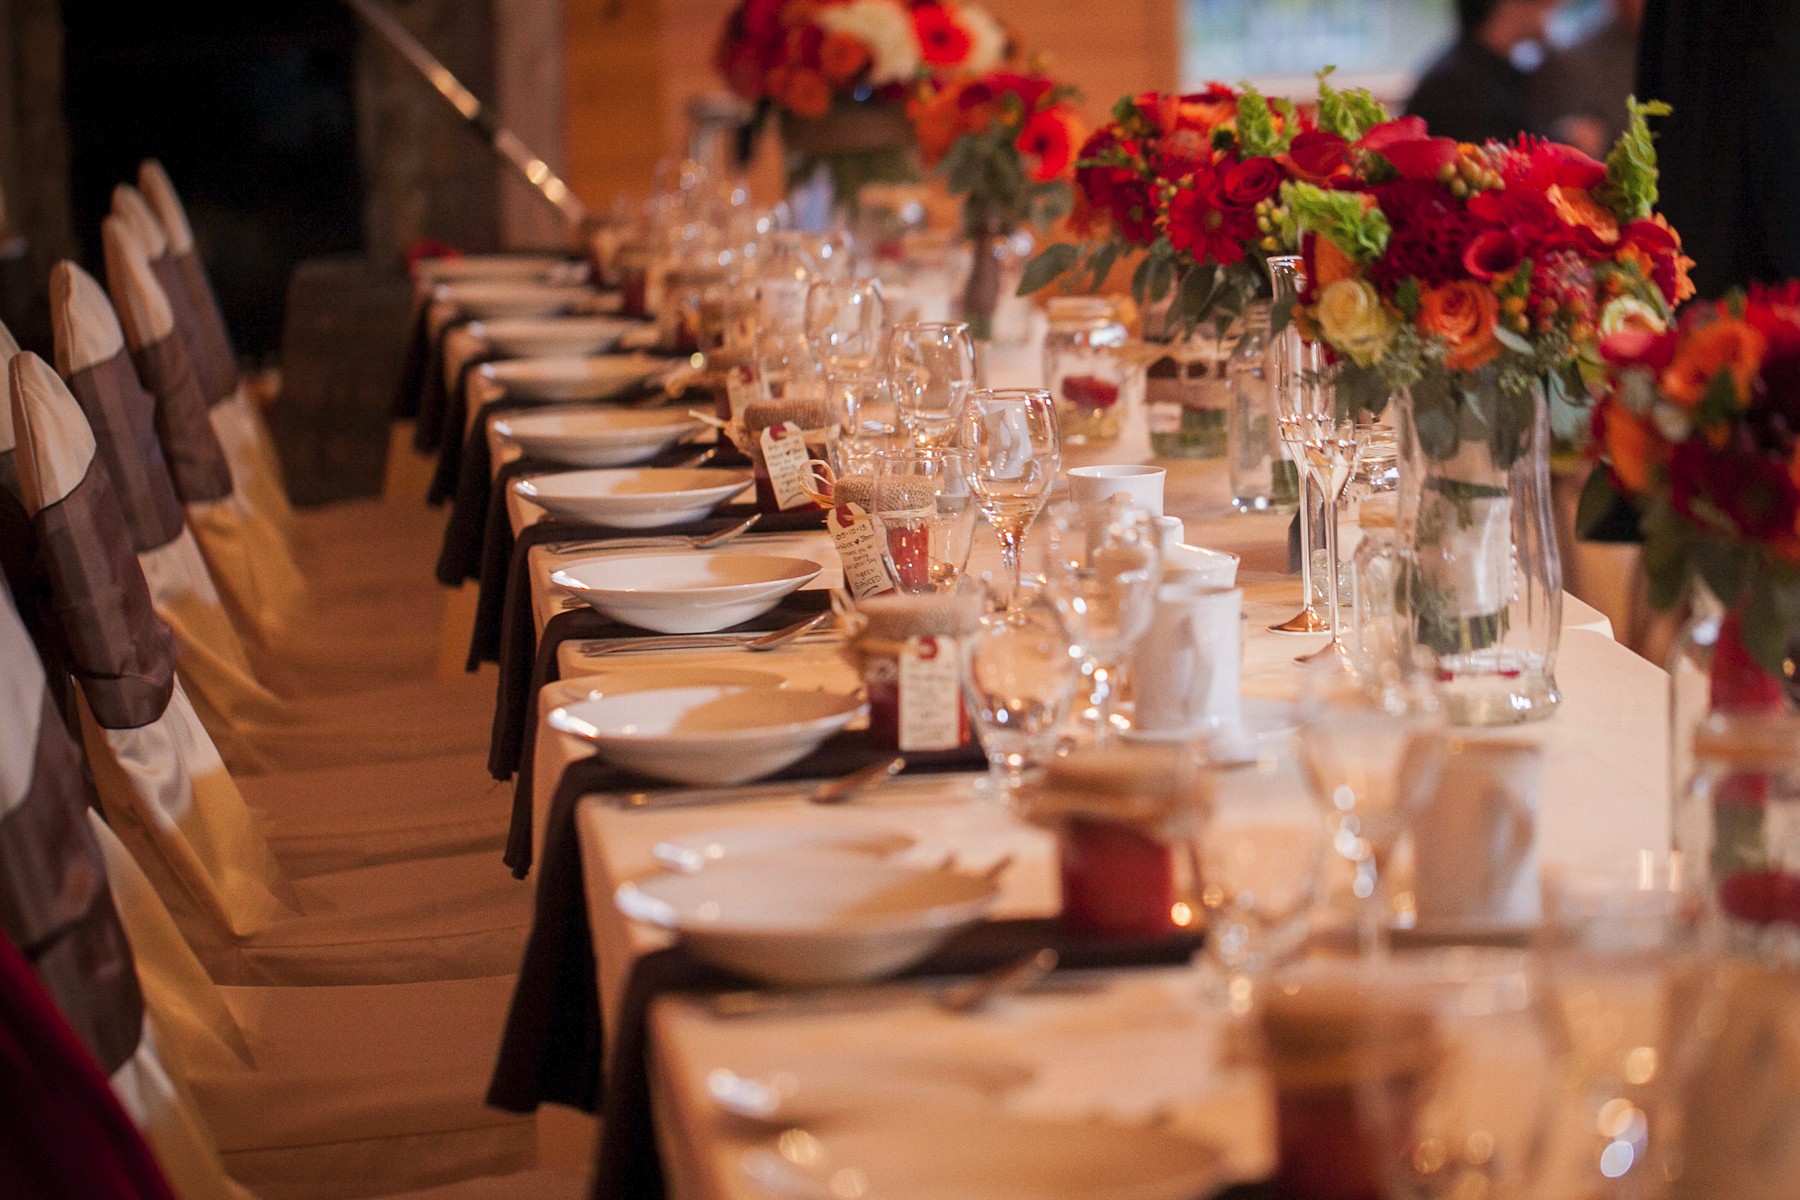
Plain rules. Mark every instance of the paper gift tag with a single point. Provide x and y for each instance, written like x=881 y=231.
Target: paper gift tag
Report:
x=930 y=694
x=784 y=453
x=740 y=389
x=859 y=547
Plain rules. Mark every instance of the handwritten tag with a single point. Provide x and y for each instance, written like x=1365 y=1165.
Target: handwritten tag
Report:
x=741 y=388
x=858 y=543
x=784 y=454
x=930 y=694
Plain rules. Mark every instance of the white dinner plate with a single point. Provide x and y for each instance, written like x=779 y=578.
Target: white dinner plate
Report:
x=550 y=337
x=572 y=377
x=485 y=298
x=697 y=851
x=685 y=592
x=634 y=497
x=814 y=1090
x=706 y=735
x=930 y=1154
x=595 y=437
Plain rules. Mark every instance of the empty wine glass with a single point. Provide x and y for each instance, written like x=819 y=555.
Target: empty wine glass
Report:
x=1102 y=569
x=846 y=322
x=871 y=419
x=1327 y=451
x=1373 y=751
x=932 y=366
x=1297 y=408
x=1016 y=454
x=785 y=366
x=1019 y=680
x=925 y=509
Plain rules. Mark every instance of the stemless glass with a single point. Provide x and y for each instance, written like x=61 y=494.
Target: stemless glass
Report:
x=925 y=509
x=1102 y=569
x=1373 y=750
x=1016 y=454
x=846 y=322
x=932 y=366
x=1019 y=680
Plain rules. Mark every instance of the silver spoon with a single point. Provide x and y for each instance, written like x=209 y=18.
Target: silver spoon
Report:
x=767 y=641
x=695 y=541
x=837 y=791
x=971 y=994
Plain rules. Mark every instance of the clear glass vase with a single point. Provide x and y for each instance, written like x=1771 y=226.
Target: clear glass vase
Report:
x=1483 y=580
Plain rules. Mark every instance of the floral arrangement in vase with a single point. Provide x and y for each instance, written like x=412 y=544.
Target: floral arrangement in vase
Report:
x=1701 y=430
x=1475 y=284
x=836 y=74
x=1003 y=141
x=1192 y=182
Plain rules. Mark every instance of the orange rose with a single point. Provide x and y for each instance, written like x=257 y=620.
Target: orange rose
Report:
x=841 y=57
x=1464 y=314
x=1725 y=344
x=1330 y=264
x=807 y=93
x=1578 y=208
x=1630 y=446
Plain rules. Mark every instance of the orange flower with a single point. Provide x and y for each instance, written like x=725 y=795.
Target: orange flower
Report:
x=1329 y=264
x=1580 y=209
x=1464 y=314
x=1725 y=344
x=937 y=123
x=1630 y=446
x=841 y=57
x=806 y=93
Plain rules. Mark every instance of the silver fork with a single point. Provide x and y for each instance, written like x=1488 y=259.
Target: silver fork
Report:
x=694 y=541
x=744 y=641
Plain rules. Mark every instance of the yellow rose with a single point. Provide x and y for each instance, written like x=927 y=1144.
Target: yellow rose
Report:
x=1353 y=320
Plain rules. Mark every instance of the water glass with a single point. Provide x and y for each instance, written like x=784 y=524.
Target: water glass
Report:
x=925 y=509
x=932 y=366
x=1016 y=455
x=1019 y=680
x=846 y=322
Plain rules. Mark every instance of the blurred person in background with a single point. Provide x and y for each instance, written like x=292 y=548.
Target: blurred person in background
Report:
x=1581 y=91
x=1474 y=91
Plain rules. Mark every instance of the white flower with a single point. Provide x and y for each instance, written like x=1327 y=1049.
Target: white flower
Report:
x=1628 y=312
x=987 y=38
x=885 y=28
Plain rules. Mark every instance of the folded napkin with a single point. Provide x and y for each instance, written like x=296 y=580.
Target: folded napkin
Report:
x=433 y=398
x=629 y=1164
x=514 y=743
x=457 y=434
x=410 y=385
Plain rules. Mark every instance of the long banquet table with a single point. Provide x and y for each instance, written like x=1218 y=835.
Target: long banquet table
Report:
x=1132 y=1045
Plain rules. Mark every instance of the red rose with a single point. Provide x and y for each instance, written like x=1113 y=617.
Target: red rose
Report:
x=1751 y=491
x=1639 y=347
x=1318 y=157
x=1401 y=129
x=1250 y=182
x=1493 y=254
x=1565 y=166
x=1406 y=144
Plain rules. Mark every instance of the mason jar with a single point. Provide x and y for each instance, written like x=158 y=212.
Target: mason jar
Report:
x=1187 y=395
x=1263 y=475
x=1086 y=369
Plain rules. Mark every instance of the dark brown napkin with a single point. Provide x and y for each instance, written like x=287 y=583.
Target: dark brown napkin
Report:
x=456 y=434
x=433 y=399
x=629 y=1164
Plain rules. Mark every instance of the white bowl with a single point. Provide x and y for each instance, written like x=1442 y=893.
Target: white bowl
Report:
x=483 y=298
x=572 y=377
x=551 y=337
x=595 y=437
x=1195 y=564
x=807 y=919
x=707 y=735
x=634 y=498
x=531 y=267
x=688 y=591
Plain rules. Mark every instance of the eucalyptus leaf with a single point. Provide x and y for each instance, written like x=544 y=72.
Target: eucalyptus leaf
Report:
x=1512 y=341
x=1101 y=264
x=1043 y=270
x=1764 y=630
x=1598 y=498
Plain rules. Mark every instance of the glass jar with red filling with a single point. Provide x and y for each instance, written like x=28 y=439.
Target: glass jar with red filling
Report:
x=882 y=629
x=1086 y=369
x=810 y=412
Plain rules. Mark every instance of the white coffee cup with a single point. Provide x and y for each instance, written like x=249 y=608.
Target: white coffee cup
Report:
x=1184 y=674
x=1475 y=854
x=1142 y=485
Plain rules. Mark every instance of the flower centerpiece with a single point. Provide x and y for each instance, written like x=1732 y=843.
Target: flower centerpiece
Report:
x=836 y=74
x=1004 y=142
x=1474 y=284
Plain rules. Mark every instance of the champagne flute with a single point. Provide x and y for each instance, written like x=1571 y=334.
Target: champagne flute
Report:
x=1102 y=569
x=1297 y=406
x=846 y=322
x=925 y=509
x=1016 y=453
x=1373 y=747
x=1328 y=452
x=933 y=367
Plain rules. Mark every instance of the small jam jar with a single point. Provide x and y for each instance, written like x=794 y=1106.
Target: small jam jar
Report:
x=883 y=626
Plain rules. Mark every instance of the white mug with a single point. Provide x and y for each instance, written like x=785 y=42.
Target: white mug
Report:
x=1184 y=674
x=1475 y=853
x=1142 y=485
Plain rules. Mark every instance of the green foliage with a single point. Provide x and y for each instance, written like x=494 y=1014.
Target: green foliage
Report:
x=1631 y=174
x=1256 y=132
x=1362 y=233
x=1599 y=496
x=1349 y=114
x=1050 y=264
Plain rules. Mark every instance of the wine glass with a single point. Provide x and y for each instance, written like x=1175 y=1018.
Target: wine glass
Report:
x=846 y=322
x=1102 y=567
x=1019 y=680
x=932 y=365
x=1297 y=411
x=1328 y=453
x=871 y=420
x=1016 y=453
x=925 y=509
x=1373 y=749
x=785 y=366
